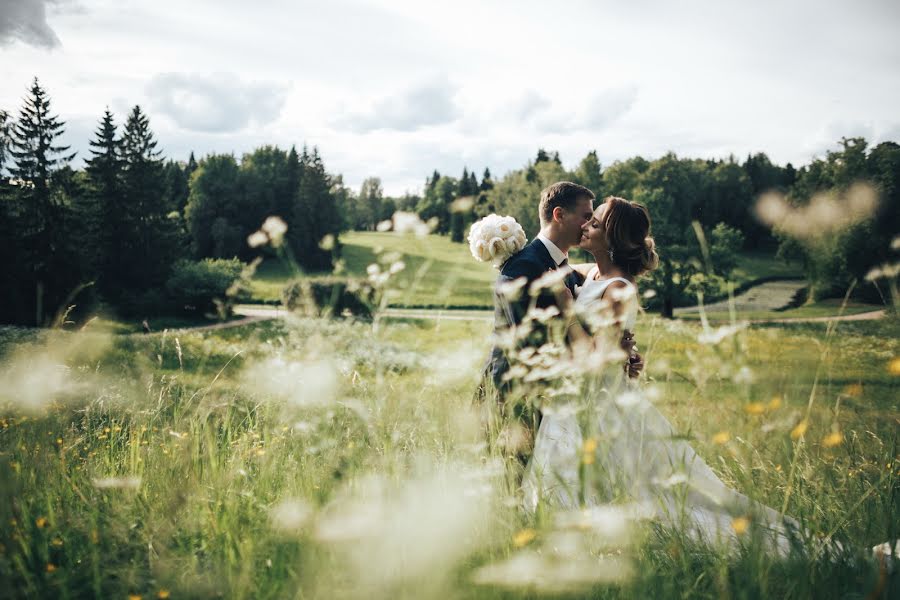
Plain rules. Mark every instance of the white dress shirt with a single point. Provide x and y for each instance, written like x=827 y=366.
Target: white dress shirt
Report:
x=555 y=253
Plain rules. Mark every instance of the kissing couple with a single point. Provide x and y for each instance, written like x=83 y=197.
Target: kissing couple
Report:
x=565 y=370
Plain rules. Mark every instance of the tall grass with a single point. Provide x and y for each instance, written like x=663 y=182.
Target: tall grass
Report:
x=310 y=458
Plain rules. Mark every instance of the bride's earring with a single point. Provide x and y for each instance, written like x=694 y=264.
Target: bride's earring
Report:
x=610 y=252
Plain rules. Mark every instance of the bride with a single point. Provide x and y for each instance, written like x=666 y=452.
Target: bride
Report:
x=612 y=444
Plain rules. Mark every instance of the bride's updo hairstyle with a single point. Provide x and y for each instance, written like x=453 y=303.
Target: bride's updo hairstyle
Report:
x=627 y=226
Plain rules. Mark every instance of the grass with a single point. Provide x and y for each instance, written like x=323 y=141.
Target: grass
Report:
x=443 y=274
x=310 y=458
x=438 y=273
x=821 y=308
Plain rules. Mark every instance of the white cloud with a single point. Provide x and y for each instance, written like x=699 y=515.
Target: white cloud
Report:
x=399 y=88
x=215 y=103
x=424 y=105
x=26 y=21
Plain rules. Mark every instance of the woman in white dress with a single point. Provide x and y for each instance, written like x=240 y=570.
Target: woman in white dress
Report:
x=611 y=444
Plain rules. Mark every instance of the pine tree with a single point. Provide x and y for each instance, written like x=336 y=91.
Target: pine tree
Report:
x=104 y=171
x=486 y=182
x=37 y=155
x=148 y=237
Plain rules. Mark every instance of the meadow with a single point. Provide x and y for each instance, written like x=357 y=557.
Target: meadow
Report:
x=308 y=458
x=442 y=274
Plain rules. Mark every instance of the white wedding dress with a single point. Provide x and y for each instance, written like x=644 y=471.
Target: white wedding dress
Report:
x=635 y=456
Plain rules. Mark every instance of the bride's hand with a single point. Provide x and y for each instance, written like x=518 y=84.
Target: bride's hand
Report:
x=635 y=365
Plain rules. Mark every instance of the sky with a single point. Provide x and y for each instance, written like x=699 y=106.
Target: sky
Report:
x=398 y=88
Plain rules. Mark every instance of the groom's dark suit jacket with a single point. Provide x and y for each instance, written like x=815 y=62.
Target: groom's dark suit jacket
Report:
x=531 y=262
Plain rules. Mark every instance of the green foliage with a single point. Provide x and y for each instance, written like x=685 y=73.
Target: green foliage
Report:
x=834 y=261
x=195 y=285
x=329 y=296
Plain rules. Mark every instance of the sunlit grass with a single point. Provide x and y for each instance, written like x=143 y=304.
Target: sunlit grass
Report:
x=171 y=470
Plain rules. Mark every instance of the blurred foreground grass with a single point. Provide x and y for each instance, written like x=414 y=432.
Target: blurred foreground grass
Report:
x=317 y=459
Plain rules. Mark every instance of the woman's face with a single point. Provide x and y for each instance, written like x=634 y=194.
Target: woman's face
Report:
x=593 y=235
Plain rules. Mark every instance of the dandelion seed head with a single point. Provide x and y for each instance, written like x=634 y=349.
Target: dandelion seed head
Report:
x=121 y=483
x=291 y=515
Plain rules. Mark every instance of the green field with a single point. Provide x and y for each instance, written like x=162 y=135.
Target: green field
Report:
x=443 y=274
x=321 y=459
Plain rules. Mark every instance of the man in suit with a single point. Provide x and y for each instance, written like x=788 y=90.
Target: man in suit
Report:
x=564 y=209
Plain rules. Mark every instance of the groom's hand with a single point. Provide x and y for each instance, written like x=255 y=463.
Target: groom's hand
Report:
x=635 y=365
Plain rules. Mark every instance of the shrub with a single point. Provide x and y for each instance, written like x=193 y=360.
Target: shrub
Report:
x=329 y=296
x=195 y=285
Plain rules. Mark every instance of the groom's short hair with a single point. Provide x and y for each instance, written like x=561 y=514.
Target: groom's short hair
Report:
x=564 y=194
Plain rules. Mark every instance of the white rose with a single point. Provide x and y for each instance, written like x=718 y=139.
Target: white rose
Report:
x=498 y=247
x=480 y=250
x=512 y=245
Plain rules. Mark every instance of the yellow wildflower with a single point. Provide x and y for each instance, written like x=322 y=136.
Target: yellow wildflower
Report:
x=51 y=567
x=41 y=522
x=590 y=445
x=587 y=458
x=800 y=430
x=894 y=366
x=774 y=403
x=740 y=525
x=134 y=597
x=524 y=537
x=721 y=437
x=755 y=408
x=163 y=594
x=854 y=390
x=833 y=439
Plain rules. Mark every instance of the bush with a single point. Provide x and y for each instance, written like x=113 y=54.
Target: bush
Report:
x=195 y=285
x=329 y=296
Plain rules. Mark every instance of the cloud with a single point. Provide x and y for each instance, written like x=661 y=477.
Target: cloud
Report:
x=26 y=21
x=430 y=103
x=597 y=113
x=218 y=103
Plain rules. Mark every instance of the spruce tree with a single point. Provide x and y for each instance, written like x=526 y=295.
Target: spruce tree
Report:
x=147 y=243
x=37 y=155
x=104 y=171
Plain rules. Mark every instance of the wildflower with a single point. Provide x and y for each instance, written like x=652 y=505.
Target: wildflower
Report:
x=589 y=446
x=51 y=567
x=800 y=429
x=854 y=390
x=56 y=543
x=524 y=537
x=774 y=403
x=894 y=366
x=162 y=594
x=740 y=525
x=275 y=228
x=833 y=439
x=755 y=408
x=134 y=597
x=105 y=483
x=41 y=522
x=721 y=438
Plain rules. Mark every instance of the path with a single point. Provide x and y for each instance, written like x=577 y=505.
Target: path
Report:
x=771 y=295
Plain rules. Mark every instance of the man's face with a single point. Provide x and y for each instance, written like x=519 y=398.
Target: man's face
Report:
x=573 y=221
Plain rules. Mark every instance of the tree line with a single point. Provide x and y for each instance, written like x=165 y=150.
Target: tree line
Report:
x=133 y=229
x=704 y=211
x=128 y=227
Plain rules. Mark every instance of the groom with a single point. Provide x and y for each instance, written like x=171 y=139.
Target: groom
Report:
x=564 y=209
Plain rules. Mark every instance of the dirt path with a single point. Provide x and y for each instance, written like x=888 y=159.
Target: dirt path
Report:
x=771 y=295
x=258 y=313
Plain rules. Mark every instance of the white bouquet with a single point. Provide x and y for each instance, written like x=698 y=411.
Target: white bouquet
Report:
x=495 y=239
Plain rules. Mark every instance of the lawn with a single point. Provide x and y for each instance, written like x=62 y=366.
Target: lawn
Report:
x=311 y=458
x=443 y=274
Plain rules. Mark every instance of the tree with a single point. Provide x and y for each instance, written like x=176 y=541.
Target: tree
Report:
x=213 y=208
x=6 y=125
x=149 y=237
x=370 y=204
x=41 y=216
x=588 y=173
x=107 y=211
